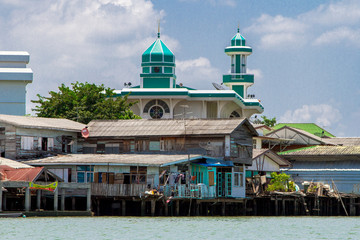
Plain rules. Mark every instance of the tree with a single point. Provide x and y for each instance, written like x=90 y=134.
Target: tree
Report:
x=83 y=103
x=281 y=182
x=268 y=122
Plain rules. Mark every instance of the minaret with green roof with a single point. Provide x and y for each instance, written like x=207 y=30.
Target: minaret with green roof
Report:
x=158 y=66
x=238 y=80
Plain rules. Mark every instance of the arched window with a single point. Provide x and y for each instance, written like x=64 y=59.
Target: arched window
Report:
x=156 y=108
x=234 y=114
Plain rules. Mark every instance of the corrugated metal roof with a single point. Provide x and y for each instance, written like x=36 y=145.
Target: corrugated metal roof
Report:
x=23 y=174
x=113 y=159
x=324 y=150
x=43 y=123
x=325 y=166
x=169 y=127
x=13 y=164
x=344 y=141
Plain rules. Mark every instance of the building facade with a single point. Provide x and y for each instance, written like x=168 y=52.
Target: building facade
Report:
x=14 y=76
x=160 y=97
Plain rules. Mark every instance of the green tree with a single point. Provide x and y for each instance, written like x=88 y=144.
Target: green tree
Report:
x=83 y=102
x=280 y=182
x=268 y=122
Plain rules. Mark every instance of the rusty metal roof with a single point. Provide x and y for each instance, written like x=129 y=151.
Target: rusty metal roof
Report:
x=168 y=127
x=113 y=159
x=323 y=150
x=22 y=174
x=42 y=123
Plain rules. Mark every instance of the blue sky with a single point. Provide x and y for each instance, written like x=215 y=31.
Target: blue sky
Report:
x=305 y=53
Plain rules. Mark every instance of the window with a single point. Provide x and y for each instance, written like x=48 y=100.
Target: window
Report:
x=234 y=114
x=154 y=145
x=211 y=178
x=238 y=179
x=27 y=143
x=156 y=112
x=85 y=174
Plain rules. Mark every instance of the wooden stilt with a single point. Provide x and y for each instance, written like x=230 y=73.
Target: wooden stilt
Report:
x=123 y=207
x=73 y=203
x=276 y=207
x=153 y=204
x=352 y=207
x=295 y=206
x=143 y=205
x=166 y=209
x=177 y=208
x=283 y=207
x=223 y=208
x=62 y=200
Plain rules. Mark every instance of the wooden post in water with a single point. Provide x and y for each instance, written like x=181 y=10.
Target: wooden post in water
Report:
x=295 y=206
x=276 y=207
x=352 y=207
x=73 y=203
x=143 y=205
x=1 y=197
x=283 y=207
x=223 y=207
x=153 y=204
x=177 y=208
x=166 y=206
x=123 y=207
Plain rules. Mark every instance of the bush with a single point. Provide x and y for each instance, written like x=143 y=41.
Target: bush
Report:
x=280 y=182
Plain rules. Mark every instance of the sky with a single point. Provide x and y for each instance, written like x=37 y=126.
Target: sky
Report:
x=305 y=53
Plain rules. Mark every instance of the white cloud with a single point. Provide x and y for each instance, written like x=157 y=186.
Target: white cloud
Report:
x=317 y=25
x=197 y=73
x=230 y=3
x=257 y=73
x=99 y=41
x=339 y=35
x=323 y=115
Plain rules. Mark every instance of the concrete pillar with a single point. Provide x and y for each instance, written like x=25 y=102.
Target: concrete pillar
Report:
x=62 y=200
x=88 y=200
x=1 y=197
x=56 y=199
x=27 y=199
x=38 y=199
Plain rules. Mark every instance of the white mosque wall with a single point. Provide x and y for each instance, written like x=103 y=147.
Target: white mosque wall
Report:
x=12 y=97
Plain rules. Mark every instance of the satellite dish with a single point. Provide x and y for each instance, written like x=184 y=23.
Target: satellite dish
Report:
x=85 y=132
x=218 y=86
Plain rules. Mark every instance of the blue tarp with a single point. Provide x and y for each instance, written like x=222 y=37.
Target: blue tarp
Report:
x=215 y=163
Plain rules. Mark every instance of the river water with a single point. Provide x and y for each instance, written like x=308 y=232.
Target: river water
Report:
x=180 y=228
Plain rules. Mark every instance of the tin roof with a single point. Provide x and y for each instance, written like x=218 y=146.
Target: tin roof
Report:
x=13 y=164
x=168 y=127
x=272 y=155
x=323 y=150
x=115 y=159
x=308 y=127
x=42 y=123
x=344 y=141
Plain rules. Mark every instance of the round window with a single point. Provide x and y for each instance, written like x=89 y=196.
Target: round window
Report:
x=234 y=114
x=156 y=112
x=156 y=69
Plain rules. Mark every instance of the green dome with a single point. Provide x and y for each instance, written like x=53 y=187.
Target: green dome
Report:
x=158 y=52
x=238 y=40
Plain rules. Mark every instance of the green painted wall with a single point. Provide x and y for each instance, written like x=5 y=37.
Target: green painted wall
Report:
x=156 y=82
x=239 y=89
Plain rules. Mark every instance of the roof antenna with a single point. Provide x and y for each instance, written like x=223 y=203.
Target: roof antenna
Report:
x=159 y=28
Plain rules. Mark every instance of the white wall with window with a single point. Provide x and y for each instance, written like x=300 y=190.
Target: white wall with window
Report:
x=238 y=185
x=27 y=143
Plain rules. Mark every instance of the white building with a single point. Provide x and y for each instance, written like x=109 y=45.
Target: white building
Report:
x=14 y=76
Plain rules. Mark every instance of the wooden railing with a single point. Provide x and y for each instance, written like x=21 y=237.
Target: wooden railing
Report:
x=117 y=190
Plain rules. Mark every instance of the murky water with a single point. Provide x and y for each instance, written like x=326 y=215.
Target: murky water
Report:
x=181 y=228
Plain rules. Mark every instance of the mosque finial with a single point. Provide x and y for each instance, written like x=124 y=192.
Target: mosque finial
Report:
x=238 y=27
x=159 y=28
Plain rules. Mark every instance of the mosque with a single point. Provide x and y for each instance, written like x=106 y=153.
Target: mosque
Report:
x=160 y=97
